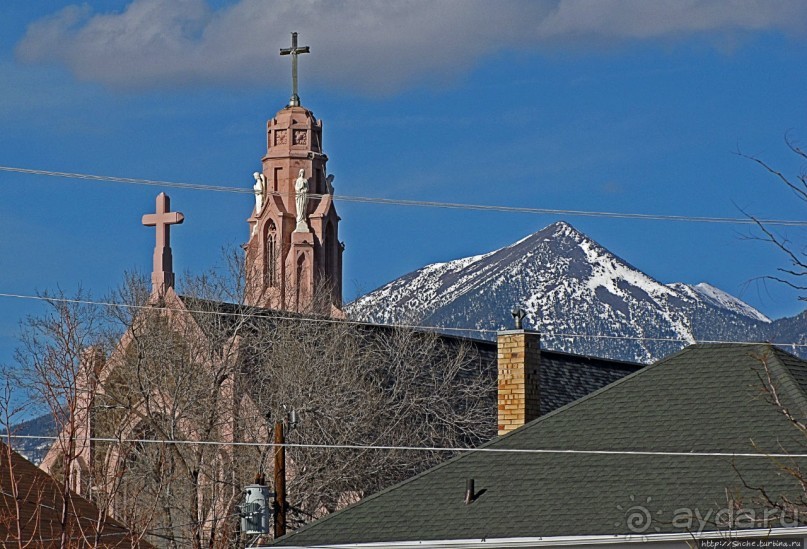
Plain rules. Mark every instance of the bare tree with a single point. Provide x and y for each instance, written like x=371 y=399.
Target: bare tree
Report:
x=355 y=385
x=170 y=382
x=167 y=392
x=57 y=368
x=795 y=275
x=16 y=529
x=52 y=359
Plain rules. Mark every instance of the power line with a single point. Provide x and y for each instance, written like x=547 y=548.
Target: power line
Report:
x=128 y=180
x=419 y=203
x=233 y=313
x=425 y=448
x=578 y=213
x=404 y=326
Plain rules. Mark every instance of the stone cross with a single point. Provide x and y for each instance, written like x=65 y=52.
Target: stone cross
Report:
x=294 y=51
x=162 y=275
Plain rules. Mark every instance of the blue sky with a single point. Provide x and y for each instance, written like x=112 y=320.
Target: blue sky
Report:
x=625 y=106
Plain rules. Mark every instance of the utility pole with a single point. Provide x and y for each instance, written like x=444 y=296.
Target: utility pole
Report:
x=280 y=480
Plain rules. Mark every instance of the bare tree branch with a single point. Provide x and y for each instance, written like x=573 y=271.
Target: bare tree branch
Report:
x=795 y=254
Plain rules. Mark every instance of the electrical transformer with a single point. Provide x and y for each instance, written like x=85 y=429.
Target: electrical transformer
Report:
x=256 y=510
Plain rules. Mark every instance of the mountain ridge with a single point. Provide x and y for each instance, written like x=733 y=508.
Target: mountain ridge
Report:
x=570 y=287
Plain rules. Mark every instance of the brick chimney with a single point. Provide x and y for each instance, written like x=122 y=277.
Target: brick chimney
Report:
x=519 y=365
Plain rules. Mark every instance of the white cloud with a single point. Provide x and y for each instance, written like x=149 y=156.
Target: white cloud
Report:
x=648 y=19
x=370 y=46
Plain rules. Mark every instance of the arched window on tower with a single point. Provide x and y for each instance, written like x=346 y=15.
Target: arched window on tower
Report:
x=271 y=253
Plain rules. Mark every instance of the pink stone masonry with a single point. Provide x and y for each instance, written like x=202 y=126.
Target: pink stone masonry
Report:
x=162 y=274
x=288 y=270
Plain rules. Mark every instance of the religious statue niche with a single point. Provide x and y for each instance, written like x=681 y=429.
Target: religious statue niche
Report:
x=271 y=253
x=260 y=191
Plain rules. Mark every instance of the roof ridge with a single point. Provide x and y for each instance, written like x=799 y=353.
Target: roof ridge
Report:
x=794 y=389
x=593 y=358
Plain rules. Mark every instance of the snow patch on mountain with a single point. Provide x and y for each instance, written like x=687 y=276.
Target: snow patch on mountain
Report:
x=720 y=298
x=608 y=272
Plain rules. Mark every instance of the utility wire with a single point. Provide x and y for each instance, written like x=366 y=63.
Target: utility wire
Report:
x=358 y=199
x=232 y=313
x=485 y=450
x=419 y=203
x=128 y=180
x=358 y=323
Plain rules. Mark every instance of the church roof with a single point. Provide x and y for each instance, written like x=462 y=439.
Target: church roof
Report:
x=702 y=416
x=565 y=377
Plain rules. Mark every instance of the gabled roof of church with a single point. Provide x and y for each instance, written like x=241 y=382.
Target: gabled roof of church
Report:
x=701 y=417
x=565 y=377
x=40 y=502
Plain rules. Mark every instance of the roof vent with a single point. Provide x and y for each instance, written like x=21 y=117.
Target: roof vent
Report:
x=469 y=491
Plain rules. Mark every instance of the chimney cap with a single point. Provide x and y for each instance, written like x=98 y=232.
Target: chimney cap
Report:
x=518 y=316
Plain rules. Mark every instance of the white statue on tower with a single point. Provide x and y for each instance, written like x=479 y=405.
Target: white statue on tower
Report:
x=301 y=202
x=260 y=191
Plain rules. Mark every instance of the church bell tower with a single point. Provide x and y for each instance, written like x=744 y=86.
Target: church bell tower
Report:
x=294 y=257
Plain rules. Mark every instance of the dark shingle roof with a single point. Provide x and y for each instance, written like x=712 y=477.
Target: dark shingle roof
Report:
x=704 y=399
x=567 y=377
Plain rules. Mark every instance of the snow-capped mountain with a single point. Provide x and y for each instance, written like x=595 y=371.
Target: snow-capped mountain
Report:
x=583 y=298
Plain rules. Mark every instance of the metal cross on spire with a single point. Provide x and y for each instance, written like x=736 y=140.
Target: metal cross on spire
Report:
x=294 y=51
